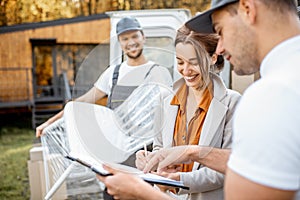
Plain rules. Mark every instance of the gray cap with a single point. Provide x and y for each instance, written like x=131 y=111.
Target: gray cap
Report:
x=128 y=24
x=202 y=23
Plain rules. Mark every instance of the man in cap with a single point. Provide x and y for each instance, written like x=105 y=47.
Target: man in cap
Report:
x=255 y=35
x=261 y=35
x=119 y=81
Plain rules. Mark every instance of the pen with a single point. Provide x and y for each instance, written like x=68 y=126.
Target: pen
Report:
x=145 y=149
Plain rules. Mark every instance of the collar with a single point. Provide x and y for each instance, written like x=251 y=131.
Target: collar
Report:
x=180 y=99
x=277 y=56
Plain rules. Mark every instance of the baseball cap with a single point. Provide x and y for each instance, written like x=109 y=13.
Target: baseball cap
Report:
x=202 y=23
x=128 y=24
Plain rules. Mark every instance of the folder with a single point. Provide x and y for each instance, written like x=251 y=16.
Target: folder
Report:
x=148 y=177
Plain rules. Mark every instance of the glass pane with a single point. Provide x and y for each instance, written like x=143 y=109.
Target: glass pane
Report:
x=83 y=64
x=161 y=51
x=69 y=59
x=43 y=70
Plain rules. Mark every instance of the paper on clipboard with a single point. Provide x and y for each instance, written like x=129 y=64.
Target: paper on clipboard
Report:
x=148 y=177
x=86 y=126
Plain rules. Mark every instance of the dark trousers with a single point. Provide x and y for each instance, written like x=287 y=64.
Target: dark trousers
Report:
x=106 y=196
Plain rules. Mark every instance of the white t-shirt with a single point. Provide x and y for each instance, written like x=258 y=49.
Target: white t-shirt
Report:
x=134 y=76
x=266 y=139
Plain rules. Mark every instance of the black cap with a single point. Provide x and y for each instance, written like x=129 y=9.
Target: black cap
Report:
x=202 y=23
x=128 y=24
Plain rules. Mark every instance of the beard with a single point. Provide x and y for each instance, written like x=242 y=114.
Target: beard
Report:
x=247 y=65
x=140 y=52
x=247 y=61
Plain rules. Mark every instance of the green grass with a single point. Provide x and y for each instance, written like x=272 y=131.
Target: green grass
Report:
x=16 y=138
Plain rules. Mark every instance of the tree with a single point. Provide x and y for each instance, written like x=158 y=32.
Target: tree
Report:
x=26 y=11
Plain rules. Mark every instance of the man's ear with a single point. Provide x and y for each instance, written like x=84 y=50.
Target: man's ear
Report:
x=144 y=38
x=247 y=10
x=214 y=58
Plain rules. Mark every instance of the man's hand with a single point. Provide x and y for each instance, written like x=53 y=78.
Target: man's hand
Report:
x=124 y=185
x=172 y=173
x=40 y=128
x=168 y=156
x=213 y=158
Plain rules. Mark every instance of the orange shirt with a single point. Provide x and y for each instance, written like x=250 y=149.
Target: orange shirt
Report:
x=189 y=134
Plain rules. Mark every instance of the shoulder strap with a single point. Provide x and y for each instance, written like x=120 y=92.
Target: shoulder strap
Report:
x=154 y=65
x=114 y=82
x=115 y=76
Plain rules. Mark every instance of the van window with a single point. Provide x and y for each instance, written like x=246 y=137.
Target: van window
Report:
x=161 y=50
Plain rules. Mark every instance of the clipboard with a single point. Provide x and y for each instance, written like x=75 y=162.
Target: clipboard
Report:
x=149 y=178
x=88 y=166
x=165 y=181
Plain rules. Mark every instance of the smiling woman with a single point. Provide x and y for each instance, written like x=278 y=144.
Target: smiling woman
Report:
x=199 y=113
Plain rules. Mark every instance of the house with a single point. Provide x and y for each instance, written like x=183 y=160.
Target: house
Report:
x=38 y=60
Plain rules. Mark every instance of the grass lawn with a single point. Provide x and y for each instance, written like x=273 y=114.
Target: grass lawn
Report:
x=16 y=138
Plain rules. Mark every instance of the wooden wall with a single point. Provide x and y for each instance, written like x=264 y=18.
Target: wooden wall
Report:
x=15 y=50
x=15 y=47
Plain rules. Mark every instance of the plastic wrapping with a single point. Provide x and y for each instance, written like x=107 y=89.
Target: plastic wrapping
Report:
x=80 y=181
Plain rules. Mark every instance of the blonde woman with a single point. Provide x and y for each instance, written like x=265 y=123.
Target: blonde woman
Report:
x=199 y=114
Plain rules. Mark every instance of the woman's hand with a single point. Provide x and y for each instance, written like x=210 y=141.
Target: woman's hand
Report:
x=141 y=160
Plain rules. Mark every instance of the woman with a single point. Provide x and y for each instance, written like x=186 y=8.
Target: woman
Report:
x=199 y=114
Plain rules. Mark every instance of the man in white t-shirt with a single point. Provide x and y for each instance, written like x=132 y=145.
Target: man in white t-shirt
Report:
x=129 y=77
x=255 y=35
x=117 y=82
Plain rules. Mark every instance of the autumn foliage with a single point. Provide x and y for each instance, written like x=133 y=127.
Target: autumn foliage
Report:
x=26 y=11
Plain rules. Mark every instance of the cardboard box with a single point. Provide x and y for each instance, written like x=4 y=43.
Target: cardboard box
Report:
x=37 y=178
x=36 y=153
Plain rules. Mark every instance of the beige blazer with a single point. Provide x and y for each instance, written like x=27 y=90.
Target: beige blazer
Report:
x=204 y=183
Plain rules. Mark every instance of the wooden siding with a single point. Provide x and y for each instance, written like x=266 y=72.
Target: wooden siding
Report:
x=15 y=52
x=15 y=47
x=15 y=86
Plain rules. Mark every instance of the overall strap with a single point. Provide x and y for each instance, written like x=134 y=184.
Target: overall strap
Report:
x=150 y=70
x=114 y=82
x=115 y=76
